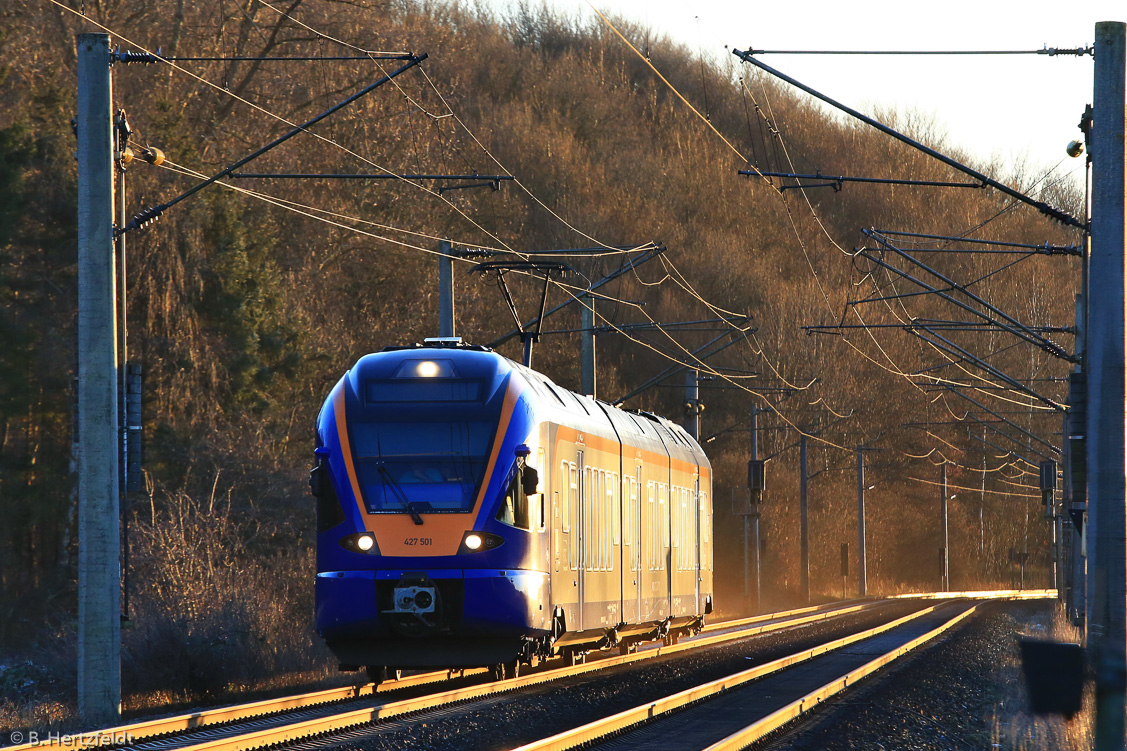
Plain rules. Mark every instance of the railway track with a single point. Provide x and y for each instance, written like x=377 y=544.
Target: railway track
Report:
x=299 y=721
x=731 y=713
x=273 y=721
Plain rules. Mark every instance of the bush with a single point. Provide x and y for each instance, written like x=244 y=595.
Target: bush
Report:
x=213 y=610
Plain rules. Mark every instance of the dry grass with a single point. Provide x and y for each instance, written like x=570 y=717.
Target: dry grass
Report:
x=1014 y=727
x=222 y=611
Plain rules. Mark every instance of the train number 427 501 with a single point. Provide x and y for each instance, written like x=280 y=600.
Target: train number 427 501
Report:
x=418 y=541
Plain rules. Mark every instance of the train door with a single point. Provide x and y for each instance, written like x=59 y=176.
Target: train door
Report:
x=565 y=537
x=579 y=532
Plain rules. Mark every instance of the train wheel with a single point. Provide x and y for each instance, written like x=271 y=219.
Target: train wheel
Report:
x=377 y=674
x=394 y=673
x=571 y=657
x=623 y=648
x=511 y=669
x=499 y=672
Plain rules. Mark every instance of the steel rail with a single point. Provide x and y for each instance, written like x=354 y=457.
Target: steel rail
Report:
x=750 y=629
x=753 y=732
x=647 y=712
x=988 y=594
x=833 y=607
x=137 y=732
x=335 y=723
x=221 y=715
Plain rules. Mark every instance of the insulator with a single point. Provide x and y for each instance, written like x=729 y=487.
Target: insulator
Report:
x=146 y=217
x=152 y=155
x=129 y=56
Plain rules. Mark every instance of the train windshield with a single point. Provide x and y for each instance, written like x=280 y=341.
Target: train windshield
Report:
x=428 y=468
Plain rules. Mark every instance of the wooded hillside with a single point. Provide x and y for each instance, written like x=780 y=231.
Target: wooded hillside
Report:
x=247 y=301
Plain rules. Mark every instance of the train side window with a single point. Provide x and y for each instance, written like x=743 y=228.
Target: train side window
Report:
x=588 y=502
x=591 y=520
x=608 y=527
x=662 y=526
x=582 y=520
x=679 y=514
x=648 y=523
x=600 y=517
x=651 y=527
x=675 y=530
x=705 y=531
x=562 y=485
x=636 y=517
x=590 y=528
x=632 y=525
x=631 y=493
x=675 y=507
x=565 y=510
x=691 y=537
x=704 y=521
x=573 y=511
x=615 y=512
x=599 y=503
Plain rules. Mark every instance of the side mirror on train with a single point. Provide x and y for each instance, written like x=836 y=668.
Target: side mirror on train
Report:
x=317 y=474
x=530 y=481
x=316 y=479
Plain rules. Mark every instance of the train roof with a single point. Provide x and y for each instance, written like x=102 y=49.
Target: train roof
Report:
x=556 y=397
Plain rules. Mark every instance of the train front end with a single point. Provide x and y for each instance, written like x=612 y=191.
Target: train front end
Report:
x=424 y=553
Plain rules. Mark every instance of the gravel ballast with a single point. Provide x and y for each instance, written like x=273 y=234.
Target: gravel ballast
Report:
x=545 y=710
x=965 y=691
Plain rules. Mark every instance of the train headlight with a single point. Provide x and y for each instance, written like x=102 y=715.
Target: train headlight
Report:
x=362 y=542
x=477 y=542
x=431 y=368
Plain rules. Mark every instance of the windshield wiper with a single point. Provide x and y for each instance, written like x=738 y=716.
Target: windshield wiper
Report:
x=402 y=496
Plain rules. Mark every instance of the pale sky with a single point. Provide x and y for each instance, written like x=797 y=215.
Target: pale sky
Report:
x=1009 y=107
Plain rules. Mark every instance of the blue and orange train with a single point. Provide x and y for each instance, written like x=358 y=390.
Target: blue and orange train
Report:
x=471 y=513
